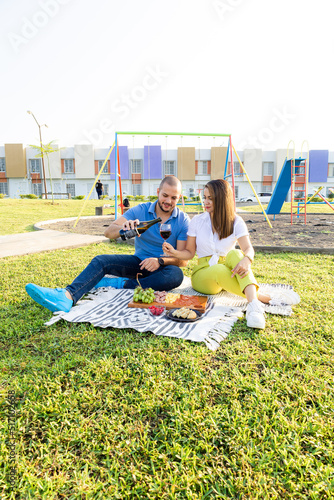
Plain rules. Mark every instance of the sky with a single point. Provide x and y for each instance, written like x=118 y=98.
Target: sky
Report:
x=258 y=69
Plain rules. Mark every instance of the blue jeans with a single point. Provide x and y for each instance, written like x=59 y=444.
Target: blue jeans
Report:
x=125 y=266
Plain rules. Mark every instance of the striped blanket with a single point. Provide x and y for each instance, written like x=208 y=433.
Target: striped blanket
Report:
x=108 y=308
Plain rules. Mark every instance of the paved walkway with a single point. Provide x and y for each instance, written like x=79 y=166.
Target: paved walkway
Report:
x=42 y=241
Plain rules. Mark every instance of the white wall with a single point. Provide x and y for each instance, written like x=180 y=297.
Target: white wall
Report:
x=253 y=163
x=84 y=161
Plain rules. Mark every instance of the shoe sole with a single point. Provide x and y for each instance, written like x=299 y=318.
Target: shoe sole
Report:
x=253 y=324
x=256 y=326
x=36 y=296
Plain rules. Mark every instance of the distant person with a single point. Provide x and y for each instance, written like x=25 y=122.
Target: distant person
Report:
x=126 y=203
x=99 y=189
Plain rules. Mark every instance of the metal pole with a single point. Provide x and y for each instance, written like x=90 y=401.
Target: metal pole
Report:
x=41 y=143
x=172 y=133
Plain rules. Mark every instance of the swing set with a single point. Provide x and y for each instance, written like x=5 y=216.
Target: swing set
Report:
x=118 y=180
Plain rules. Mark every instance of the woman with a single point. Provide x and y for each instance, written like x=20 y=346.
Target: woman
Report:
x=221 y=266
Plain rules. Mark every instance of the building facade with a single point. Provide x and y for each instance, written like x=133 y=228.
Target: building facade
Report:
x=72 y=170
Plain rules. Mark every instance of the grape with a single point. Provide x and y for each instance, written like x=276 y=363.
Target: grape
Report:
x=146 y=296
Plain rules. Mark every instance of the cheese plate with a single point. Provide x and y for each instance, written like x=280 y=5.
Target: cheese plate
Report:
x=197 y=302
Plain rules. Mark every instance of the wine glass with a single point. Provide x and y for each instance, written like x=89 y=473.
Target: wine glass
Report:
x=165 y=232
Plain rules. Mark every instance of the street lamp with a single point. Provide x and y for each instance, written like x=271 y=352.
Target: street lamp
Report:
x=40 y=140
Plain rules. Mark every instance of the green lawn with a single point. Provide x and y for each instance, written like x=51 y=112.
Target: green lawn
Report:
x=105 y=413
x=19 y=216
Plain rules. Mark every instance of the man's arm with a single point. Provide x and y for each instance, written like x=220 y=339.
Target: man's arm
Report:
x=152 y=264
x=112 y=232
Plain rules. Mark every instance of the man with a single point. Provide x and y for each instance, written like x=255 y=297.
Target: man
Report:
x=99 y=188
x=157 y=272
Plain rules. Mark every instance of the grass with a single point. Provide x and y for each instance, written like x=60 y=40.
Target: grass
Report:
x=286 y=208
x=19 y=216
x=105 y=413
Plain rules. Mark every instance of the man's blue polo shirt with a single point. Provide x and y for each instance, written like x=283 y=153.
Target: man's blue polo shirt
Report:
x=149 y=244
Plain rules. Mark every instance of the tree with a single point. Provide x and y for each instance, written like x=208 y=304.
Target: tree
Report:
x=46 y=150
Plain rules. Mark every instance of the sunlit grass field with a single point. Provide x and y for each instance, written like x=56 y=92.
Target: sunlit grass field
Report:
x=105 y=413
x=19 y=216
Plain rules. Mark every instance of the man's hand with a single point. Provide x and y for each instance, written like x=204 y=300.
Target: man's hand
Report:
x=242 y=268
x=130 y=224
x=151 y=264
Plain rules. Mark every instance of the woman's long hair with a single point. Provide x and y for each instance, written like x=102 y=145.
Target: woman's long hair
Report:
x=223 y=207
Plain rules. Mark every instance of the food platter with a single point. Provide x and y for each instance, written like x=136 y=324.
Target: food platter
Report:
x=169 y=315
x=196 y=302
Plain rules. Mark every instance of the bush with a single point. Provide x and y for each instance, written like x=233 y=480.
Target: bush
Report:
x=79 y=197
x=29 y=196
x=152 y=197
x=185 y=197
x=1 y=196
x=331 y=196
x=195 y=198
x=140 y=197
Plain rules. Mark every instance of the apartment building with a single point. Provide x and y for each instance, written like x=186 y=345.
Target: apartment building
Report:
x=73 y=169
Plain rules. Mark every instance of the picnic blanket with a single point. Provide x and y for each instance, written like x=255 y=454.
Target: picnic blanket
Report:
x=108 y=308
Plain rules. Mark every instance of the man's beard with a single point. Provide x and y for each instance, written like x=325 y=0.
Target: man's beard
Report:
x=163 y=209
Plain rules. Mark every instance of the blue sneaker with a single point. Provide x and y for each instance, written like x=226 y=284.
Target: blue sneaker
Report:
x=53 y=299
x=114 y=282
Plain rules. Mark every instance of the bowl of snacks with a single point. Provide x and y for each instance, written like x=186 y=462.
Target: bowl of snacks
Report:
x=184 y=315
x=156 y=310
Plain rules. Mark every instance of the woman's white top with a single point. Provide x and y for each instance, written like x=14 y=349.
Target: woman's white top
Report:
x=208 y=243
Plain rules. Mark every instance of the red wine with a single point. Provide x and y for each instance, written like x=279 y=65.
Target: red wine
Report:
x=165 y=234
x=140 y=229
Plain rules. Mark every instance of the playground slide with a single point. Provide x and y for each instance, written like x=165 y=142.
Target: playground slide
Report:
x=282 y=187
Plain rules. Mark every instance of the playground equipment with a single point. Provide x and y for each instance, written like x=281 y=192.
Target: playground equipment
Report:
x=118 y=181
x=293 y=175
x=230 y=149
x=317 y=193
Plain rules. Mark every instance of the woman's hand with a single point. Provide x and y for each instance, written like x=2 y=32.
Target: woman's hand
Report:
x=242 y=268
x=169 y=249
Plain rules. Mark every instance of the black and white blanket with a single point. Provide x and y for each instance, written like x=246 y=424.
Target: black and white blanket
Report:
x=108 y=308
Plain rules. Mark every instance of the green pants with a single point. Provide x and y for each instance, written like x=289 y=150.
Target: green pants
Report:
x=213 y=279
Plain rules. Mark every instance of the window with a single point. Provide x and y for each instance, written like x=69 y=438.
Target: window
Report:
x=105 y=169
x=266 y=189
x=37 y=189
x=268 y=168
x=202 y=167
x=236 y=191
x=136 y=189
x=4 y=188
x=106 y=189
x=135 y=166
x=169 y=167
x=68 y=167
x=2 y=165
x=35 y=166
x=70 y=188
x=236 y=168
x=330 y=169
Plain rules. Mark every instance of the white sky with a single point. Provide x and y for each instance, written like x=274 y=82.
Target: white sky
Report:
x=259 y=69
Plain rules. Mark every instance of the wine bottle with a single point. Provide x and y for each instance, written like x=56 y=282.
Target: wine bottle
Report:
x=140 y=229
